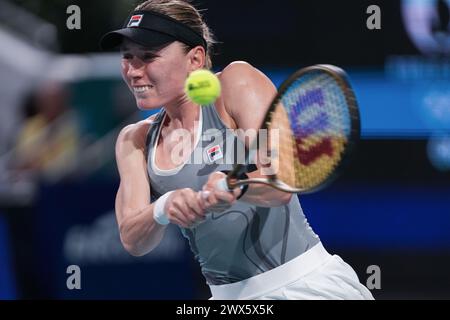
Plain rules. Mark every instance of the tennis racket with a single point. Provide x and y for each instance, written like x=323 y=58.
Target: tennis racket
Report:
x=312 y=125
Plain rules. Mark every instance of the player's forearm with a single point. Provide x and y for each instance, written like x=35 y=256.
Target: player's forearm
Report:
x=139 y=233
x=265 y=196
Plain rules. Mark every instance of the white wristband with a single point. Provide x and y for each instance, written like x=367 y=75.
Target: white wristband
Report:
x=159 y=214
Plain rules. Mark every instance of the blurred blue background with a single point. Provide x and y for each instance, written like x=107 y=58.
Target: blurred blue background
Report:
x=63 y=102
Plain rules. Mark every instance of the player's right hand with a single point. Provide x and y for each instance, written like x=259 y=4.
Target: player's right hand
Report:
x=184 y=207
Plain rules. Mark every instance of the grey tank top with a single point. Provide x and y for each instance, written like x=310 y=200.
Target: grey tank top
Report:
x=245 y=240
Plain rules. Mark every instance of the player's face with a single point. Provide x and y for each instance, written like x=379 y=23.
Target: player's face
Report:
x=156 y=78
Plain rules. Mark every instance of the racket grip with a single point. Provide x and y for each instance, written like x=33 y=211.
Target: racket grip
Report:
x=222 y=185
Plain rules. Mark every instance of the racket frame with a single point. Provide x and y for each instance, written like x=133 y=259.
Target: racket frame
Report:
x=342 y=80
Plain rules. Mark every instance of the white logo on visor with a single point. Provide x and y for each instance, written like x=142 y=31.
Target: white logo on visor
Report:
x=135 y=20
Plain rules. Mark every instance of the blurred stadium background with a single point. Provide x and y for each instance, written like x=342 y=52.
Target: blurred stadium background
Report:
x=62 y=103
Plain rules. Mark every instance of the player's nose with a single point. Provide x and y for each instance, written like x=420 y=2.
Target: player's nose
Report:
x=136 y=68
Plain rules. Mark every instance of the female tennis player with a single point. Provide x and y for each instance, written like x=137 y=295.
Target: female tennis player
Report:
x=256 y=243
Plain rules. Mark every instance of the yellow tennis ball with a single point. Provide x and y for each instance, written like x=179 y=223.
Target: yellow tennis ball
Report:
x=202 y=87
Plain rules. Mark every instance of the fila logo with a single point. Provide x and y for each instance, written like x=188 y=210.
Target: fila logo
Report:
x=214 y=153
x=135 y=20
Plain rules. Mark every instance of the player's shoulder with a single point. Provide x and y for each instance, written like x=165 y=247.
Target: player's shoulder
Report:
x=241 y=78
x=238 y=72
x=237 y=66
x=136 y=131
x=241 y=75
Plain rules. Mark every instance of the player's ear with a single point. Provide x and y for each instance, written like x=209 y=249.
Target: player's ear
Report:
x=197 y=58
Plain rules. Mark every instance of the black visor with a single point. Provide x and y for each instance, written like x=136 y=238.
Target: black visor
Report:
x=152 y=29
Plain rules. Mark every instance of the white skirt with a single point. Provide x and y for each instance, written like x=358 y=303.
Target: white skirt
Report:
x=314 y=275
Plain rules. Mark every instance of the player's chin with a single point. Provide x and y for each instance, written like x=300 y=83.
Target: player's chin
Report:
x=145 y=103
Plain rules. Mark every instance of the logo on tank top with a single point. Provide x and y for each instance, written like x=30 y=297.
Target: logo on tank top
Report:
x=214 y=153
x=135 y=20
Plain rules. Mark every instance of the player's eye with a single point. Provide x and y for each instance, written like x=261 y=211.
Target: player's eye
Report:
x=147 y=57
x=127 y=56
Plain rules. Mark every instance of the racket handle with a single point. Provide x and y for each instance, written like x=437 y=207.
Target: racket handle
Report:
x=222 y=185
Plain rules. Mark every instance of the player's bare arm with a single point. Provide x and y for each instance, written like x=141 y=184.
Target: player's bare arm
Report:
x=247 y=94
x=138 y=231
